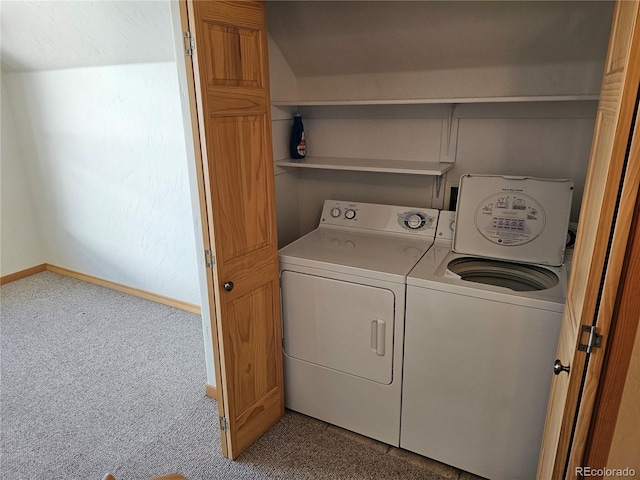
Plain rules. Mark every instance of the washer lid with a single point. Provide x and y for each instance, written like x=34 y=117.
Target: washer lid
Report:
x=522 y=219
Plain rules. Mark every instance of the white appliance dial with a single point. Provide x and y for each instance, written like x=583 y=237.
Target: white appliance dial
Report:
x=414 y=221
x=335 y=212
x=350 y=214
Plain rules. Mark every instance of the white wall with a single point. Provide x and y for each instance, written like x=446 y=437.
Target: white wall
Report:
x=389 y=50
x=108 y=172
x=20 y=244
x=438 y=50
x=536 y=147
x=286 y=181
x=548 y=140
x=515 y=80
x=282 y=83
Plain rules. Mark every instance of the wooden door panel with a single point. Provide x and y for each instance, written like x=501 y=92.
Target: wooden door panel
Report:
x=251 y=350
x=225 y=102
x=620 y=34
x=558 y=396
x=235 y=59
x=256 y=420
x=245 y=178
x=242 y=13
x=249 y=344
x=230 y=61
x=583 y=287
x=252 y=363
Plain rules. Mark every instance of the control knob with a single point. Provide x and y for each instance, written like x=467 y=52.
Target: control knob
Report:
x=415 y=221
x=350 y=214
x=335 y=212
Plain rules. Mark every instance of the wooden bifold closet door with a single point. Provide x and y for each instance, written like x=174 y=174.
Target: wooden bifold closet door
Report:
x=231 y=69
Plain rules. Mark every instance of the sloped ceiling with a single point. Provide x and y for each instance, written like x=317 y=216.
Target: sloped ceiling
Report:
x=354 y=37
x=318 y=37
x=50 y=35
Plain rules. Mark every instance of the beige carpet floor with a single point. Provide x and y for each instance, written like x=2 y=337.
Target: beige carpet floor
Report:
x=93 y=381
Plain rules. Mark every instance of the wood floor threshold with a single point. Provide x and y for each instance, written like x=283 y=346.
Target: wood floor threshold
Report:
x=211 y=391
x=136 y=292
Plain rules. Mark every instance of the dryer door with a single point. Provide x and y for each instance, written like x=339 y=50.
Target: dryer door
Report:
x=339 y=325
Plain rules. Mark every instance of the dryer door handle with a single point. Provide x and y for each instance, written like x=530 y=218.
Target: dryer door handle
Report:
x=378 y=336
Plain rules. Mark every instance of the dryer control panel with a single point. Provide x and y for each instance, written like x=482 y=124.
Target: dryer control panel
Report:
x=385 y=218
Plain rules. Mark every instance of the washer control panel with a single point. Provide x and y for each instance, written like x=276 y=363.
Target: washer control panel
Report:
x=388 y=218
x=446 y=225
x=510 y=218
x=520 y=219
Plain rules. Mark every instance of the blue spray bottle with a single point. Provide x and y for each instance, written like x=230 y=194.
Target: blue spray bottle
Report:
x=298 y=144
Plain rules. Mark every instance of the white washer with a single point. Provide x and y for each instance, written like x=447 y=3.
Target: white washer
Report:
x=482 y=327
x=343 y=297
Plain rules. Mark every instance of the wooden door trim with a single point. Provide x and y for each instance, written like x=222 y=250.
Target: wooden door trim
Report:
x=202 y=180
x=611 y=284
x=603 y=234
x=621 y=342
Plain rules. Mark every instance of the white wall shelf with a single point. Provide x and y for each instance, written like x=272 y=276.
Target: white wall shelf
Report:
x=430 y=101
x=413 y=167
x=448 y=111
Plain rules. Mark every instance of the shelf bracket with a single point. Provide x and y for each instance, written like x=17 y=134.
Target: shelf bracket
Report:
x=437 y=194
x=450 y=111
x=439 y=179
x=449 y=139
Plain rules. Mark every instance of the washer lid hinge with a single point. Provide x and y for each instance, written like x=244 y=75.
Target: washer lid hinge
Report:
x=594 y=341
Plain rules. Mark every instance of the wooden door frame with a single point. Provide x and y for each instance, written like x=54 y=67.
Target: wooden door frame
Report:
x=618 y=357
x=621 y=341
x=205 y=220
x=567 y=431
x=614 y=273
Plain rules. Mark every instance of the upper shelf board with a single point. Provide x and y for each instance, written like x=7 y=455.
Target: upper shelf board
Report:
x=425 y=101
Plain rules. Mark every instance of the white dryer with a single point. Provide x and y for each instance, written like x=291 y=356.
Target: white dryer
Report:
x=343 y=297
x=482 y=326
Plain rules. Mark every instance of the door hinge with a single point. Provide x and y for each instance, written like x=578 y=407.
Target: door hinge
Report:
x=224 y=425
x=209 y=258
x=190 y=43
x=594 y=341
